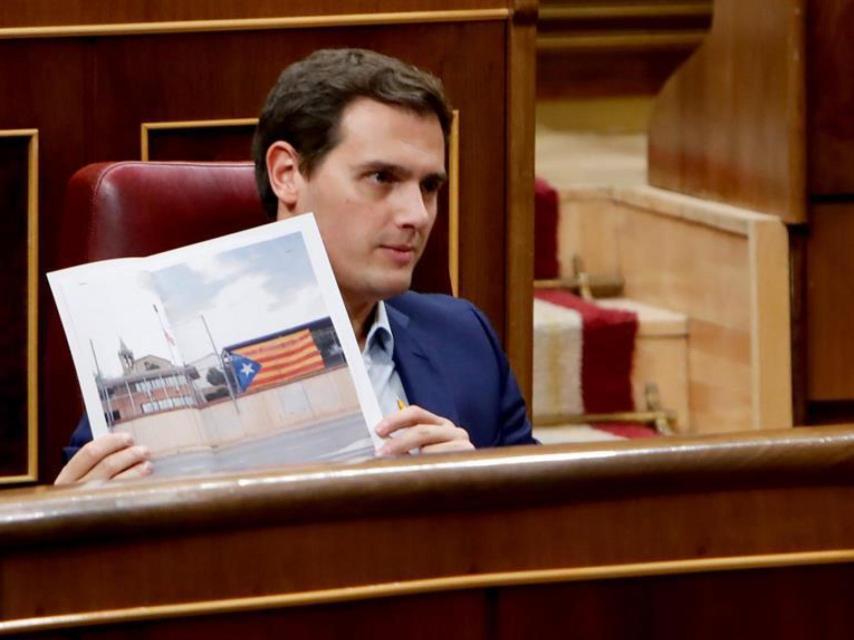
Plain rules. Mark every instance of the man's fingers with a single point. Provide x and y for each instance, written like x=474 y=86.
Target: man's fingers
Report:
x=422 y=436
x=414 y=428
x=117 y=463
x=139 y=470
x=91 y=455
x=407 y=417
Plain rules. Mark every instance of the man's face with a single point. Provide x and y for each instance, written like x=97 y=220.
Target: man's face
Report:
x=374 y=196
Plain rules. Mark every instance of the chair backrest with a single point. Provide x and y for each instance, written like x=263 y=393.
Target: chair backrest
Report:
x=125 y=209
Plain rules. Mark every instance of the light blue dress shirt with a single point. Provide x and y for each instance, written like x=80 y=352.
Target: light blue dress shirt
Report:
x=377 y=356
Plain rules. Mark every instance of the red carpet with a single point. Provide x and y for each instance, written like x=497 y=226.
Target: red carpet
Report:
x=546 y=264
x=608 y=344
x=607 y=349
x=607 y=338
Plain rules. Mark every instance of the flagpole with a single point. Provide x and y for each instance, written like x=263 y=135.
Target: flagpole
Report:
x=98 y=384
x=221 y=362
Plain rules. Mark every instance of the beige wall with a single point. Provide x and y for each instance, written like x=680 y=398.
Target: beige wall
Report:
x=263 y=413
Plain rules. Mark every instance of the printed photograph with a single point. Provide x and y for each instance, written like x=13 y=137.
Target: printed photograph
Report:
x=223 y=361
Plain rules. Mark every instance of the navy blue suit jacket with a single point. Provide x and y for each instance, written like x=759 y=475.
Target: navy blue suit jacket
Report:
x=450 y=363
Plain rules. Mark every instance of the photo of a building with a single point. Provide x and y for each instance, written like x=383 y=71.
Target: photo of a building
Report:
x=228 y=358
x=149 y=384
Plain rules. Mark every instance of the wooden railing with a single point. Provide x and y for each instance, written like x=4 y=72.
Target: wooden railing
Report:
x=677 y=537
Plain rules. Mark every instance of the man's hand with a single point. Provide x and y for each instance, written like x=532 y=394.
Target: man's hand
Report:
x=417 y=428
x=108 y=457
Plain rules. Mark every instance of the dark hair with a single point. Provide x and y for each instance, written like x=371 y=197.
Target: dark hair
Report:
x=305 y=105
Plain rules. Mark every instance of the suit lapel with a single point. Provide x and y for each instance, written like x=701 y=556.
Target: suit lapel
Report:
x=421 y=377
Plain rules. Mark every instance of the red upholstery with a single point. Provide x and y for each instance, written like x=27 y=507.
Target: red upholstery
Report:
x=133 y=209
x=546 y=265
x=138 y=208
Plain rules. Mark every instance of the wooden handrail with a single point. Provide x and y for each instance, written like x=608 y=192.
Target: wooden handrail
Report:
x=515 y=476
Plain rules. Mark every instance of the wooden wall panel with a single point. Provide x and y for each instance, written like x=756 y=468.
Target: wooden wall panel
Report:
x=830 y=38
x=829 y=265
x=448 y=616
x=829 y=295
x=18 y=167
x=724 y=268
x=201 y=140
x=580 y=43
x=729 y=124
x=33 y=13
x=760 y=117
x=573 y=75
x=696 y=269
x=768 y=603
x=626 y=532
x=787 y=603
x=518 y=322
x=90 y=95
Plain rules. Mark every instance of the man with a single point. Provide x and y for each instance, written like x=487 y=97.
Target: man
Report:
x=359 y=139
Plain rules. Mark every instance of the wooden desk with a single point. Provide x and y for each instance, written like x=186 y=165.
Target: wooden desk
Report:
x=686 y=537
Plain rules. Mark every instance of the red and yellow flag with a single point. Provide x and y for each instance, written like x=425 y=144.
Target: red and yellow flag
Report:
x=283 y=358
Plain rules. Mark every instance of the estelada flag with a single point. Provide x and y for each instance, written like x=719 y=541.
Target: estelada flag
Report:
x=245 y=370
x=280 y=358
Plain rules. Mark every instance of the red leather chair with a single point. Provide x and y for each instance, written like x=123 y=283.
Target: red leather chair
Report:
x=124 y=209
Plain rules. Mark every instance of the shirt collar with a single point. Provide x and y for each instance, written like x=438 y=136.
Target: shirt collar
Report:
x=380 y=335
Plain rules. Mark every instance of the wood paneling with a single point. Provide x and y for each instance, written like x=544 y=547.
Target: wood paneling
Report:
x=829 y=265
x=204 y=141
x=519 y=190
x=460 y=615
x=767 y=603
x=724 y=268
x=797 y=275
x=34 y=13
x=760 y=116
x=585 y=75
x=470 y=531
x=729 y=124
x=829 y=292
x=90 y=95
x=702 y=606
x=830 y=66
x=581 y=42
x=18 y=161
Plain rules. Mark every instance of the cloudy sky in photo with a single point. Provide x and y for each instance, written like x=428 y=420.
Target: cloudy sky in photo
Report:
x=242 y=293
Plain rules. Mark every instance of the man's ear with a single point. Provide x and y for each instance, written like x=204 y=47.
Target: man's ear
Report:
x=284 y=174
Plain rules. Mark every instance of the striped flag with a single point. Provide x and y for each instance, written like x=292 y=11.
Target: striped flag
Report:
x=281 y=358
